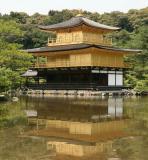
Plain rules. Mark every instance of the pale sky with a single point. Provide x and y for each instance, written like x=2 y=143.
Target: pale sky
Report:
x=43 y=6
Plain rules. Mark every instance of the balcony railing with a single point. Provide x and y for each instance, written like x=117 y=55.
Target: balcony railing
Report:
x=37 y=65
x=48 y=65
x=68 y=64
x=79 y=39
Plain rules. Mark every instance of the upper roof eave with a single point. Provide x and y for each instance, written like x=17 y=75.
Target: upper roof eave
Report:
x=77 y=21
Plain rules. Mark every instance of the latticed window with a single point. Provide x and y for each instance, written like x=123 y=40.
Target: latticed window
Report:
x=77 y=37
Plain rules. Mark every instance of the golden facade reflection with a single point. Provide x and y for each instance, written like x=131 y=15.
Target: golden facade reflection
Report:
x=79 y=127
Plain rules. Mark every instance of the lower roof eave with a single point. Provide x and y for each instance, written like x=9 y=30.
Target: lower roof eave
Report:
x=80 y=46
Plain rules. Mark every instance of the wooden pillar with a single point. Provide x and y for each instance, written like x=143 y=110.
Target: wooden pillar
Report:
x=37 y=61
x=91 y=78
x=69 y=78
x=26 y=81
x=38 y=80
x=115 y=77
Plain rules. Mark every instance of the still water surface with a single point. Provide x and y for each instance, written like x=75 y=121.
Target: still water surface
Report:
x=39 y=128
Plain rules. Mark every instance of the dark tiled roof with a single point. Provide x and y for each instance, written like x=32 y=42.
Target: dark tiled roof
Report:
x=59 y=48
x=76 y=21
x=77 y=47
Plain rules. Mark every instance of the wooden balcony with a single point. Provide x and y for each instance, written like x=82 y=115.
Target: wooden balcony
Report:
x=37 y=65
x=47 y=65
x=69 y=64
x=80 y=39
x=81 y=60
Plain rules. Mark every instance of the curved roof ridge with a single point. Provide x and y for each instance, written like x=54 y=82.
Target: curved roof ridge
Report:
x=95 y=24
x=76 y=21
x=71 y=22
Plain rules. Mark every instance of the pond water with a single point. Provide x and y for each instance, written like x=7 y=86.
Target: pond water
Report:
x=74 y=128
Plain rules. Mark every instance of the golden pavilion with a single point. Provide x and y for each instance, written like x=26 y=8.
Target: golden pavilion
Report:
x=81 y=57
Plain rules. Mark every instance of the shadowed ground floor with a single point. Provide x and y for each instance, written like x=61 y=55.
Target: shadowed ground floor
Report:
x=76 y=78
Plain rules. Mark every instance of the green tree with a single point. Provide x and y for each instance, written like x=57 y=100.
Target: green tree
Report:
x=33 y=37
x=13 y=61
x=19 y=17
x=139 y=40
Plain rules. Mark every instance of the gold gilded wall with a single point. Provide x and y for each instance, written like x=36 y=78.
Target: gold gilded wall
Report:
x=83 y=57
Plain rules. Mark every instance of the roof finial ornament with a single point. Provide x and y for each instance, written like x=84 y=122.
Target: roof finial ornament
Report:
x=80 y=14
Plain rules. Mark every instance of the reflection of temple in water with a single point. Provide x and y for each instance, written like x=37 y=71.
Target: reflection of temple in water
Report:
x=77 y=109
x=87 y=126
x=78 y=149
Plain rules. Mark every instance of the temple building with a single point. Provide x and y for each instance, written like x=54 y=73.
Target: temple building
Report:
x=81 y=56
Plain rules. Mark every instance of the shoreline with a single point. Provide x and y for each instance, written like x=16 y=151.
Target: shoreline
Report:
x=83 y=93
